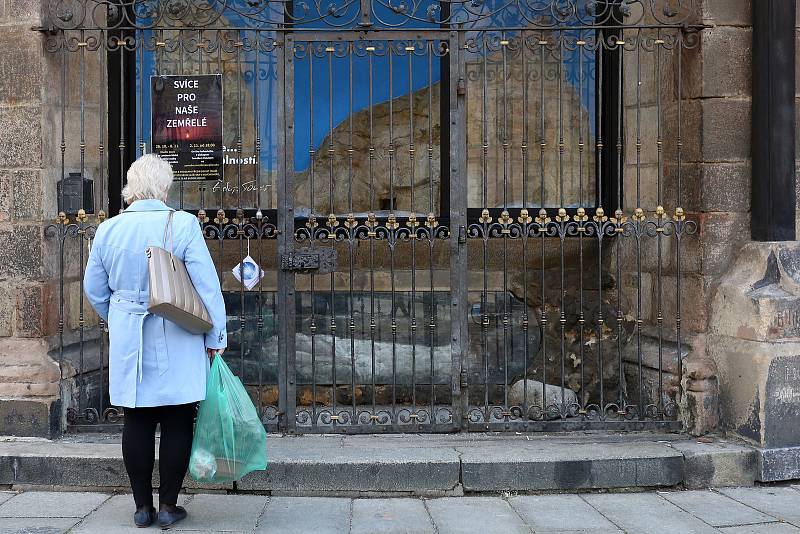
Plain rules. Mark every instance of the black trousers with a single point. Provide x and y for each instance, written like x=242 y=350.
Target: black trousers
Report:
x=139 y=449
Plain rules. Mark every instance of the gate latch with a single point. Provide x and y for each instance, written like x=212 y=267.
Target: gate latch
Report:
x=308 y=260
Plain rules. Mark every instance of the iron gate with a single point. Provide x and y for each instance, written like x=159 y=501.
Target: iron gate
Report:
x=469 y=214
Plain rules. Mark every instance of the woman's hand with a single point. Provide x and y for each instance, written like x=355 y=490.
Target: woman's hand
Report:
x=214 y=352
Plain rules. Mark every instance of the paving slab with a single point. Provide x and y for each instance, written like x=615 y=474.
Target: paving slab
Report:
x=468 y=515
x=560 y=513
x=115 y=515
x=782 y=503
x=38 y=525
x=764 y=528
x=646 y=513
x=304 y=515
x=539 y=466
x=390 y=516
x=222 y=513
x=52 y=504
x=5 y=495
x=716 y=509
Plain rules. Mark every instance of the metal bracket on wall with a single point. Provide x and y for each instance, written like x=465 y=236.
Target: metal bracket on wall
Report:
x=310 y=260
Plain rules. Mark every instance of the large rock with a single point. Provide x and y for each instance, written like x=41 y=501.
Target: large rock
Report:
x=529 y=393
x=581 y=348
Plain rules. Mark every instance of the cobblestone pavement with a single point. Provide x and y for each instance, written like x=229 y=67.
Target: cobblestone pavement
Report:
x=764 y=510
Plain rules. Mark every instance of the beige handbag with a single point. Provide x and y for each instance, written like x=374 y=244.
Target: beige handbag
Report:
x=172 y=294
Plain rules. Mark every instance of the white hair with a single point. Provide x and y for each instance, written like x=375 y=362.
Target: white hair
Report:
x=150 y=177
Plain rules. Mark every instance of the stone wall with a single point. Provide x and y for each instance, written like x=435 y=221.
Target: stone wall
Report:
x=32 y=161
x=29 y=379
x=751 y=292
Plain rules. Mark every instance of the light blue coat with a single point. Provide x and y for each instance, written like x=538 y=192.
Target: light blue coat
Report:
x=152 y=361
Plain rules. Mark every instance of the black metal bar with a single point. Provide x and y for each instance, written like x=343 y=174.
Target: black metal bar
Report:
x=456 y=118
x=286 y=225
x=773 y=191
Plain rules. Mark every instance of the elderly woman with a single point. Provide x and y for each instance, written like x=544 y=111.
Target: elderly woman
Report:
x=157 y=370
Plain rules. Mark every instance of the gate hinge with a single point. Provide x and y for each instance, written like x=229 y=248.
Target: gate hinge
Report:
x=307 y=260
x=461 y=87
x=463 y=378
x=50 y=30
x=462 y=235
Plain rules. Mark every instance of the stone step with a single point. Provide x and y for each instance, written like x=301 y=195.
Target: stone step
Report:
x=426 y=465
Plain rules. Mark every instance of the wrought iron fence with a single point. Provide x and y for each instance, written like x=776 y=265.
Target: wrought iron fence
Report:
x=469 y=213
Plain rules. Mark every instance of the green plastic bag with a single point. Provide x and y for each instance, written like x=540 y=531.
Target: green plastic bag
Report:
x=229 y=438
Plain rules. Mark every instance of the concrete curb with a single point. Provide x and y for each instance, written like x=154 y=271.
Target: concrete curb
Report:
x=383 y=465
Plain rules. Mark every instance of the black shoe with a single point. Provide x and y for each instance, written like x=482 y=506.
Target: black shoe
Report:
x=167 y=519
x=144 y=516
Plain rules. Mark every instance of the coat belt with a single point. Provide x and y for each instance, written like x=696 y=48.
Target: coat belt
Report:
x=135 y=302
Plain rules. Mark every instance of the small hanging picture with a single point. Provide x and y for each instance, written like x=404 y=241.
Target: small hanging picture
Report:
x=248 y=272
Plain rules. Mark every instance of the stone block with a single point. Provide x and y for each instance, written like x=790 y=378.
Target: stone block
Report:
x=337 y=470
x=93 y=80
x=758 y=297
x=41 y=379
x=718 y=464
x=638 y=76
x=22 y=246
x=637 y=290
x=560 y=467
x=691 y=73
x=685 y=194
x=28 y=10
x=779 y=464
x=691 y=125
x=6 y=195
x=20 y=80
x=726 y=61
x=645 y=195
x=77 y=308
x=26 y=187
x=21 y=143
x=642 y=124
x=693 y=298
x=728 y=12
x=30 y=418
x=721 y=235
x=760 y=396
x=725 y=187
x=726 y=129
x=36 y=311
x=700 y=411
x=7 y=300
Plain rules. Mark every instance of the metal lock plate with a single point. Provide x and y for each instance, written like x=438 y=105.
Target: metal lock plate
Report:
x=310 y=260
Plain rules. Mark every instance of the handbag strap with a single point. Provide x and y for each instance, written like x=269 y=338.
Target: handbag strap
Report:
x=168 y=230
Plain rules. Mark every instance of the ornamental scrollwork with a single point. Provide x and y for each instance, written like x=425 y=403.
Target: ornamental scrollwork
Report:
x=365 y=14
